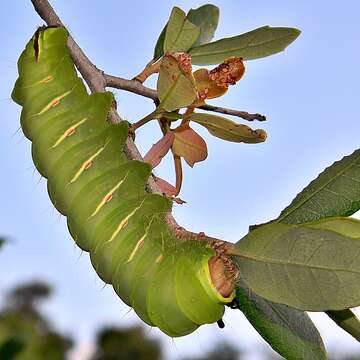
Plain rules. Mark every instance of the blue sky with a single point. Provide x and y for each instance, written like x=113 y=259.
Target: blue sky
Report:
x=310 y=94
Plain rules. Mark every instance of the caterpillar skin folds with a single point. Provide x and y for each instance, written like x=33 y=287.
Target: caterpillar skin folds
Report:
x=102 y=194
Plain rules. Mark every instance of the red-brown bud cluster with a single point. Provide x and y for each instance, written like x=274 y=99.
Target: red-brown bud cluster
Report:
x=184 y=61
x=228 y=73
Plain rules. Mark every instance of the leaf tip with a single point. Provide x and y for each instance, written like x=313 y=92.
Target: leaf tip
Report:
x=262 y=134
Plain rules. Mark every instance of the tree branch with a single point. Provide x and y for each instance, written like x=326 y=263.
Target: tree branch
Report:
x=130 y=85
x=137 y=88
x=242 y=114
x=97 y=82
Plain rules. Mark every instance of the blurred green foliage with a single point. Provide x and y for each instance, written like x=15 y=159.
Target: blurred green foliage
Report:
x=2 y=241
x=25 y=334
x=222 y=351
x=126 y=344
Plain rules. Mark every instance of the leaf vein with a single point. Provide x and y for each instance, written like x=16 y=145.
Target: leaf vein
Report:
x=315 y=192
x=257 y=258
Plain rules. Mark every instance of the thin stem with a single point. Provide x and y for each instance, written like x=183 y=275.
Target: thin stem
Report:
x=178 y=174
x=143 y=121
x=137 y=88
x=189 y=111
x=242 y=114
x=164 y=126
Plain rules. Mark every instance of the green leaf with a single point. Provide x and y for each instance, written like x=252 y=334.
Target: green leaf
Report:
x=347 y=320
x=346 y=226
x=206 y=18
x=254 y=44
x=308 y=266
x=159 y=47
x=181 y=34
x=11 y=348
x=288 y=331
x=176 y=87
x=336 y=192
x=172 y=116
x=301 y=208
x=229 y=130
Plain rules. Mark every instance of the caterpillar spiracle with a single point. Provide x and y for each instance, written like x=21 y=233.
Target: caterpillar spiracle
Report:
x=102 y=194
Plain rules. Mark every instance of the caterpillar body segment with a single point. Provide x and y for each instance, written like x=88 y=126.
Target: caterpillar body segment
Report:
x=102 y=194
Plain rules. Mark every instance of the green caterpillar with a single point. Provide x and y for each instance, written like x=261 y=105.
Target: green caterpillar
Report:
x=102 y=193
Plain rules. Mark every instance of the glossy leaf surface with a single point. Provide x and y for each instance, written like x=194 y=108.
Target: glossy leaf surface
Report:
x=335 y=192
x=229 y=130
x=254 y=44
x=206 y=18
x=176 y=86
x=288 y=331
x=180 y=34
x=304 y=266
x=159 y=47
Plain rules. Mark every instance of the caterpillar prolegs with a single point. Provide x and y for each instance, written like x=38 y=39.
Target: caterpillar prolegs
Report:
x=102 y=194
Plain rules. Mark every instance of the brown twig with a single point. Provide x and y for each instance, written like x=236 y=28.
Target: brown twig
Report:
x=97 y=81
x=131 y=86
x=137 y=88
x=242 y=114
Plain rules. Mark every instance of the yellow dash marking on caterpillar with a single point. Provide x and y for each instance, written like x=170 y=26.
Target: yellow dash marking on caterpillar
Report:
x=124 y=222
x=46 y=80
x=40 y=82
x=139 y=244
x=70 y=131
x=159 y=259
x=108 y=196
x=53 y=102
x=87 y=164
